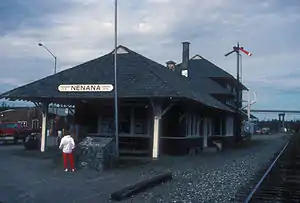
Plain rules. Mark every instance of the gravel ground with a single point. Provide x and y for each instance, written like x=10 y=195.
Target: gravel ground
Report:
x=203 y=178
x=212 y=177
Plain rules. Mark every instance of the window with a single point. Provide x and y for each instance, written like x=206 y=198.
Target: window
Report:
x=141 y=120
x=187 y=125
x=201 y=126
x=191 y=130
x=184 y=73
x=228 y=87
x=223 y=126
x=125 y=120
x=197 y=127
x=233 y=90
x=107 y=120
x=23 y=123
x=107 y=125
x=35 y=124
x=217 y=126
x=194 y=126
x=230 y=102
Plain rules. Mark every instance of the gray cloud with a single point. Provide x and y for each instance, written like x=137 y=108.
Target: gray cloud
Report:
x=155 y=28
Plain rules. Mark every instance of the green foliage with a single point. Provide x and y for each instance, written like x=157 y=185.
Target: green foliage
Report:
x=4 y=106
x=275 y=125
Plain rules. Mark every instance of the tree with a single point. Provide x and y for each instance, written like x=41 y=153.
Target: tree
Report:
x=4 y=106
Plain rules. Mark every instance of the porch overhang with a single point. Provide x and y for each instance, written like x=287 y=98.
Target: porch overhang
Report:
x=66 y=99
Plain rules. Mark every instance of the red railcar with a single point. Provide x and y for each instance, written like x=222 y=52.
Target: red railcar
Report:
x=14 y=131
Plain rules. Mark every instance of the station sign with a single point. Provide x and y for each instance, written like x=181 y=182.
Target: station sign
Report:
x=86 y=88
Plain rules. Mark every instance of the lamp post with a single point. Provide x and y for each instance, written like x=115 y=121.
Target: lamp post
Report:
x=55 y=58
x=55 y=62
x=116 y=80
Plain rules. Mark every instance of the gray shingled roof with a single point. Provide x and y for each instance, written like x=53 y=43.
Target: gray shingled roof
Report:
x=210 y=86
x=138 y=77
x=200 y=67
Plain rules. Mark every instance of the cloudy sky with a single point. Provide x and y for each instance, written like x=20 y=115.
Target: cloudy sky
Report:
x=80 y=30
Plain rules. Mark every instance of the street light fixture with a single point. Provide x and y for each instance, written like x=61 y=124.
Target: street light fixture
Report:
x=55 y=62
x=55 y=58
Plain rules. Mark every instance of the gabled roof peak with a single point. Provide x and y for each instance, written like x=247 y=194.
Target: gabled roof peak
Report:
x=197 y=57
x=121 y=50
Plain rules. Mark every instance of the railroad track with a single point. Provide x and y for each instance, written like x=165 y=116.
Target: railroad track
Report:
x=280 y=183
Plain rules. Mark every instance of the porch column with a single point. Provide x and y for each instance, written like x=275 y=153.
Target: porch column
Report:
x=45 y=107
x=205 y=132
x=158 y=113
x=229 y=125
x=221 y=126
x=132 y=121
x=157 y=109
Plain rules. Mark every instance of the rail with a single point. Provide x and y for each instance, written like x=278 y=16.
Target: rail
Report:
x=248 y=199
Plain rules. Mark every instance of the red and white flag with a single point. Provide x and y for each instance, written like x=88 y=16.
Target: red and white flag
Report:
x=246 y=52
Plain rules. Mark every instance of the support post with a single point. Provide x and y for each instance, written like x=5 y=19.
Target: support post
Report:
x=279 y=120
x=44 y=126
x=238 y=97
x=158 y=113
x=157 y=110
x=206 y=130
x=248 y=107
x=132 y=121
x=221 y=126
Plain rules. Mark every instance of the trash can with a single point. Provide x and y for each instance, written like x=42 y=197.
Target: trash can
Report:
x=32 y=141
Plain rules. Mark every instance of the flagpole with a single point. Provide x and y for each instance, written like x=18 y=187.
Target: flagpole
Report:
x=116 y=80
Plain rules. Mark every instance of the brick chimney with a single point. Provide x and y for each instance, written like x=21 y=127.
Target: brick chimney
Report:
x=185 y=57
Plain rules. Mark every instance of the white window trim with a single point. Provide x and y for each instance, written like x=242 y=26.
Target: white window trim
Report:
x=192 y=127
x=23 y=122
x=32 y=123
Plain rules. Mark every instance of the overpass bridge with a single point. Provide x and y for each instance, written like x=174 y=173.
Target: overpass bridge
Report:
x=275 y=111
x=281 y=113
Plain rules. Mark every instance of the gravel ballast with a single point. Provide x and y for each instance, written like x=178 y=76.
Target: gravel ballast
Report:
x=208 y=177
x=213 y=177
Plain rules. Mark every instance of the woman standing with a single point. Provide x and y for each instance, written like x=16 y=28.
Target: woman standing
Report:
x=67 y=145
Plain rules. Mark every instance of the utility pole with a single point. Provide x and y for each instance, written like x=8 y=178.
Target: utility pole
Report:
x=239 y=90
x=238 y=100
x=116 y=80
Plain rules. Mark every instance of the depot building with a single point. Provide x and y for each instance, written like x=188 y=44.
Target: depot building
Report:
x=163 y=109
